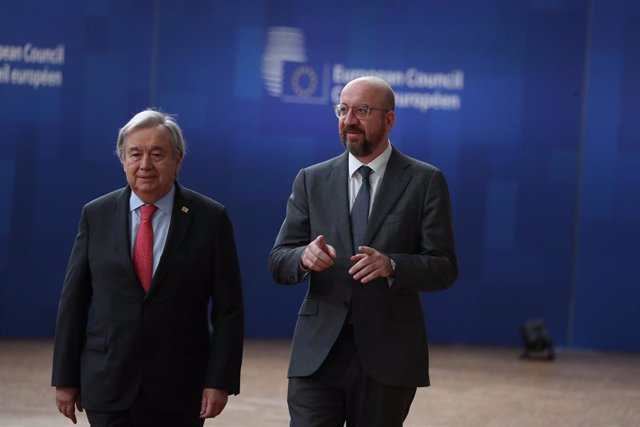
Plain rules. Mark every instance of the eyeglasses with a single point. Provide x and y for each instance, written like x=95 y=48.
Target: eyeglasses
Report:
x=360 y=111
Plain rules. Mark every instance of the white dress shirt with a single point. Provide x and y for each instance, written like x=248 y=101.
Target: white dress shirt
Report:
x=378 y=167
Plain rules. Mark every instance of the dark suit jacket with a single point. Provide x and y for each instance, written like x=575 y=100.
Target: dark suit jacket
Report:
x=411 y=222
x=112 y=339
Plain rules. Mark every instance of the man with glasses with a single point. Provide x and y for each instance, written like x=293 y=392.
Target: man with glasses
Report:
x=371 y=228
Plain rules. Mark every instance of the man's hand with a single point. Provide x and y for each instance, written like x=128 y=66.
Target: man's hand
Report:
x=213 y=402
x=318 y=255
x=370 y=264
x=67 y=400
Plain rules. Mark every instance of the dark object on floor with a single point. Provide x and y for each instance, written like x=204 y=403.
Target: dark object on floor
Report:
x=537 y=341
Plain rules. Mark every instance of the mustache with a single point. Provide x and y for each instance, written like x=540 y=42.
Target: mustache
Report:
x=352 y=129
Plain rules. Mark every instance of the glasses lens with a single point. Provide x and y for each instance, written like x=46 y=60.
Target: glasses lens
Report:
x=361 y=111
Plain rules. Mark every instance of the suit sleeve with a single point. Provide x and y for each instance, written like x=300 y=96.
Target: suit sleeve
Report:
x=73 y=311
x=435 y=267
x=294 y=236
x=227 y=313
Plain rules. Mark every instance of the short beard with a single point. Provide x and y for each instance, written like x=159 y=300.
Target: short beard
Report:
x=359 y=150
x=367 y=146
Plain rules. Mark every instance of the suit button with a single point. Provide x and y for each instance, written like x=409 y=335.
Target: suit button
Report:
x=292 y=279
x=346 y=304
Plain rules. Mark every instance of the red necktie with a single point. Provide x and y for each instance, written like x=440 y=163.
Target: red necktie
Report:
x=143 y=247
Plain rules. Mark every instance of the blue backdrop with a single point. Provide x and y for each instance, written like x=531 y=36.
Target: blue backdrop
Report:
x=531 y=108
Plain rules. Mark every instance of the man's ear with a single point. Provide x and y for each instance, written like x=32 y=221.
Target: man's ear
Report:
x=390 y=119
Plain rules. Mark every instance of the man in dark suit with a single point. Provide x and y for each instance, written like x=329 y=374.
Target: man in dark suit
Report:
x=136 y=342
x=369 y=245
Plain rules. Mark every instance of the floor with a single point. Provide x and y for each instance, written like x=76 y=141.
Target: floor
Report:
x=471 y=387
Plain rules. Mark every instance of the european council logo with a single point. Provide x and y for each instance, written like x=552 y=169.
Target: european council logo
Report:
x=285 y=71
x=305 y=83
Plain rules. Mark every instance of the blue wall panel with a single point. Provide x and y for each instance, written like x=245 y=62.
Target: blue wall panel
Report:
x=607 y=292
x=538 y=138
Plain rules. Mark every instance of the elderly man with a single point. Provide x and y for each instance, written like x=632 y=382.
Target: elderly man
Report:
x=136 y=342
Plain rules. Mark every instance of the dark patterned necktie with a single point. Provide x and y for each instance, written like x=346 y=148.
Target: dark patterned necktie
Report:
x=360 y=209
x=143 y=247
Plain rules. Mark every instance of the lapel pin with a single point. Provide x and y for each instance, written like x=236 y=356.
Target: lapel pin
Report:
x=185 y=209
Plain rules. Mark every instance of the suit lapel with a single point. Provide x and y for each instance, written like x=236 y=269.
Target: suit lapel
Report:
x=335 y=193
x=123 y=232
x=395 y=180
x=180 y=220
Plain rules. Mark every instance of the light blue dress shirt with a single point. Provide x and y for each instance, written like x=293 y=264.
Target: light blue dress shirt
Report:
x=160 y=222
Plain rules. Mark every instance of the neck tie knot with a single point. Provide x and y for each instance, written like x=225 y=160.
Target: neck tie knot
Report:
x=147 y=211
x=365 y=171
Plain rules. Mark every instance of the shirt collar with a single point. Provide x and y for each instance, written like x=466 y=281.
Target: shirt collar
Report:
x=165 y=204
x=378 y=165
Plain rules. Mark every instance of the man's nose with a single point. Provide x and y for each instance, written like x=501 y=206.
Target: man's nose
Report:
x=145 y=162
x=350 y=118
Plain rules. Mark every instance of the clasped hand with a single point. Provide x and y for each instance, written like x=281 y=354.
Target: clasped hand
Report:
x=369 y=264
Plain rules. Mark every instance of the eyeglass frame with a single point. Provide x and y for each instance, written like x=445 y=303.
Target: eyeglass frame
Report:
x=349 y=107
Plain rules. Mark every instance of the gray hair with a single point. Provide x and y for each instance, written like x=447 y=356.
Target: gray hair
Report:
x=152 y=118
